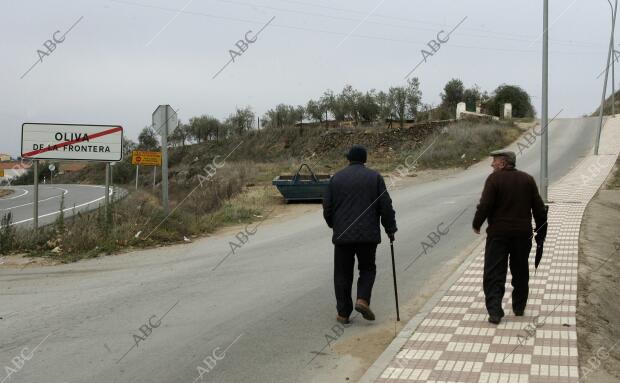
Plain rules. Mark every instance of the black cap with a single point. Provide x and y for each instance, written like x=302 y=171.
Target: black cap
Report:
x=357 y=153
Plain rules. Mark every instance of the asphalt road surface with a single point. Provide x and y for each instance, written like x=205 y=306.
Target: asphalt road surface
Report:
x=76 y=198
x=261 y=316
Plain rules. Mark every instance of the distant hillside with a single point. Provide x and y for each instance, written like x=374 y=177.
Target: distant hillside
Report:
x=283 y=150
x=293 y=144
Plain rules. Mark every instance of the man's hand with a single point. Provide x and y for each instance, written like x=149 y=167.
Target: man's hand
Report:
x=477 y=231
x=541 y=234
x=391 y=237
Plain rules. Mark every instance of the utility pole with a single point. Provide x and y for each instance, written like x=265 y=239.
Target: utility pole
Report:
x=600 y=114
x=544 y=118
x=613 y=61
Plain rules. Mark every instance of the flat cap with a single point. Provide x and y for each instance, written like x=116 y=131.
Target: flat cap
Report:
x=510 y=156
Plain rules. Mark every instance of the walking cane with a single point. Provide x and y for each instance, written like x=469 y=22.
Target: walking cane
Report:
x=395 y=287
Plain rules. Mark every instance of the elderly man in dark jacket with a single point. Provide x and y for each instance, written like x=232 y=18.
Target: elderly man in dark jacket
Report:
x=508 y=200
x=355 y=201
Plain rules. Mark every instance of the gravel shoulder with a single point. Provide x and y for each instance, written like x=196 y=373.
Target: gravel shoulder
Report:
x=598 y=305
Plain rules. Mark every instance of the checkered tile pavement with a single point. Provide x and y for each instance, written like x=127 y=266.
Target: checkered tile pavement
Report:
x=455 y=343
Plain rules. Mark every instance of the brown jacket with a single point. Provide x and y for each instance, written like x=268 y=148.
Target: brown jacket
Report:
x=508 y=200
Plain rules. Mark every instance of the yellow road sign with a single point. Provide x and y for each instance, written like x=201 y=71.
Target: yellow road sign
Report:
x=139 y=157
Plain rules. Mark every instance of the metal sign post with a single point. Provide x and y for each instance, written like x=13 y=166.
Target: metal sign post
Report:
x=52 y=168
x=165 y=121
x=137 y=172
x=107 y=187
x=112 y=178
x=36 y=195
x=164 y=165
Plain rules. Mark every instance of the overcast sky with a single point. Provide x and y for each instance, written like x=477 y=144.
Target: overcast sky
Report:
x=123 y=58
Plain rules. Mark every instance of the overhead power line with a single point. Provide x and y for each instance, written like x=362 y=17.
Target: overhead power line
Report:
x=489 y=34
x=419 y=43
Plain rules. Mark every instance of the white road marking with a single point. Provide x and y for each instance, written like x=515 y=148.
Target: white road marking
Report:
x=17 y=196
x=65 y=192
x=65 y=210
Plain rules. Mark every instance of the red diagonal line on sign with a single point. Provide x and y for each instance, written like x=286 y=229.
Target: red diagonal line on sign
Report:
x=81 y=139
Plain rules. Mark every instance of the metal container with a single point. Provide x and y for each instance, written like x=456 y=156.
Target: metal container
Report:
x=300 y=187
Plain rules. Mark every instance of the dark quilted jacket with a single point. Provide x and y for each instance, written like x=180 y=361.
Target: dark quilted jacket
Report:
x=355 y=201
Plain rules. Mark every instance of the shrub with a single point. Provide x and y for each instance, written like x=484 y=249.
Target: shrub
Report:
x=7 y=233
x=515 y=95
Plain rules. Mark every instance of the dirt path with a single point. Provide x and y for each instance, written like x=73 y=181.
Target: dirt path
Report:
x=598 y=305
x=5 y=192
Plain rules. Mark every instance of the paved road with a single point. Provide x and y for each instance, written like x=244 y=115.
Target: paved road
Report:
x=272 y=300
x=76 y=198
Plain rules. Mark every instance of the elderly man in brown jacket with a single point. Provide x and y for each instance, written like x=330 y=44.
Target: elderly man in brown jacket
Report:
x=508 y=200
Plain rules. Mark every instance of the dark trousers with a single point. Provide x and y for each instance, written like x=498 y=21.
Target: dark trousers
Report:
x=344 y=262
x=498 y=251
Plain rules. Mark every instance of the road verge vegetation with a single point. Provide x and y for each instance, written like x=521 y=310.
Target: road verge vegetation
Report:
x=239 y=190
x=615 y=180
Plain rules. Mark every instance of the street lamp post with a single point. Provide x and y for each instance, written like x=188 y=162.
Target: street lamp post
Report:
x=544 y=118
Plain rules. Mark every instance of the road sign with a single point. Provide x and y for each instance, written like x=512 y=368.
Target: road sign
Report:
x=165 y=115
x=72 y=142
x=51 y=167
x=146 y=158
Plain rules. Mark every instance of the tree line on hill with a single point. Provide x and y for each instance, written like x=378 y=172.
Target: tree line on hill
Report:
x=398 y=104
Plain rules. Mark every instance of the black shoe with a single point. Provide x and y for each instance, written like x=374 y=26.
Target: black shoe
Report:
x=495 y=319
x=365 y=311
x=518 y=313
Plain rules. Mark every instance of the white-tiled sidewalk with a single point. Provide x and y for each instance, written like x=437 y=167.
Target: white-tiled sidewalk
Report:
x=455 y=343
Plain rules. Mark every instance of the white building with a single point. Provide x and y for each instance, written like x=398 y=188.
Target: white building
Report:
x=11 y=170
